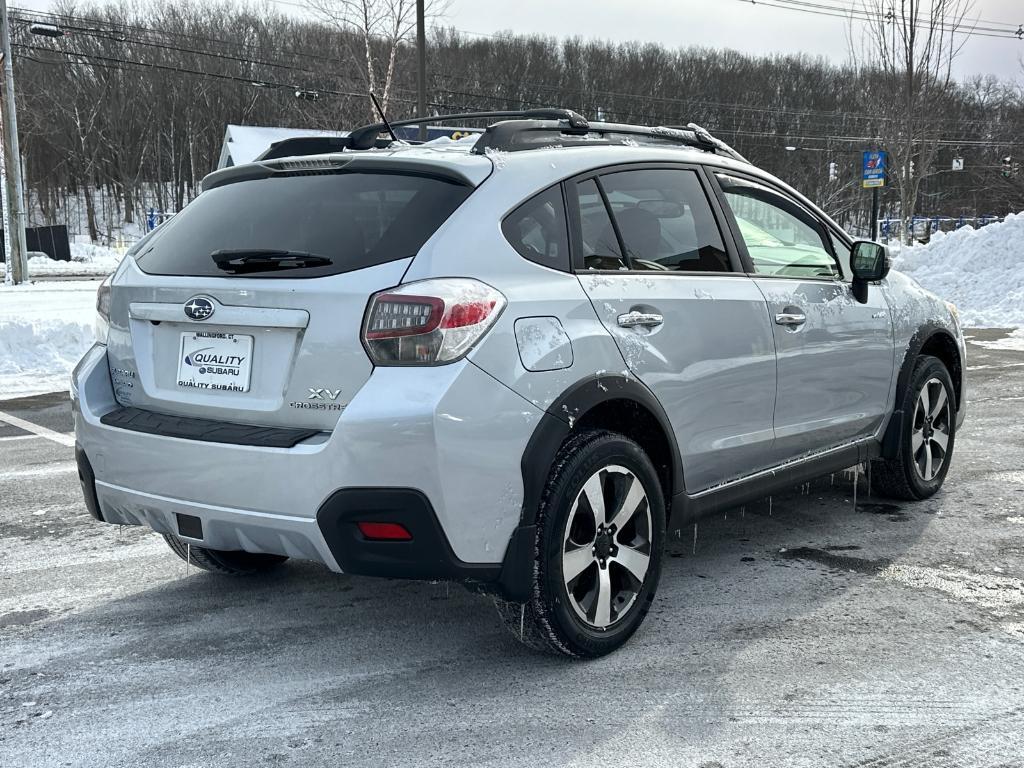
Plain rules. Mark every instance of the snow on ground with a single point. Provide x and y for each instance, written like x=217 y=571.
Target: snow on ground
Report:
x=981 y=271
x=1014 y=341
x=86 y=259
x=44 y=329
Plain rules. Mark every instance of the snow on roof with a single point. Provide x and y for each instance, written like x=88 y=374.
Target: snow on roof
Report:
x=244 y=143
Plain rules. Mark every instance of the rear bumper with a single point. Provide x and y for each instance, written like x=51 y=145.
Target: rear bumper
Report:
x=451 y=433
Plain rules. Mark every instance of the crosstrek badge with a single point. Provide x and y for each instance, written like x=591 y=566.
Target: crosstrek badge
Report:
x=215 y=361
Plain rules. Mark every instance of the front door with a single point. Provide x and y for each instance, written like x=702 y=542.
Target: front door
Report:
x=689 y=324
x=835 y=355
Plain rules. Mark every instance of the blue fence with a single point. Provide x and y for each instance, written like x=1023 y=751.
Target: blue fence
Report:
x=925 y=226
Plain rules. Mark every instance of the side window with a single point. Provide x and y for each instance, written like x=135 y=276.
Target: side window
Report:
x=537 y=229
x=665 y=221
x=600 y=245
x=781 y=237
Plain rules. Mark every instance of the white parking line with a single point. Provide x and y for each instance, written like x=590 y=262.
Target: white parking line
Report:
x=35 y=429
x=9 y=438
x=57 y=468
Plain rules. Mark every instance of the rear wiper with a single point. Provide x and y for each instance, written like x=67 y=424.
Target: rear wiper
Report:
x=265 y=259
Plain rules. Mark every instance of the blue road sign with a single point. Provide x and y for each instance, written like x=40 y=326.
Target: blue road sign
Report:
x=874 y=169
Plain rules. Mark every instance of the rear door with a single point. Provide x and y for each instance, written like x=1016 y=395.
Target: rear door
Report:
x=247 y=306
x=835 y=355
x=689 y=324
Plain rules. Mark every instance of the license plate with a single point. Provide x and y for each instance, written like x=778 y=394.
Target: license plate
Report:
x=210 y=360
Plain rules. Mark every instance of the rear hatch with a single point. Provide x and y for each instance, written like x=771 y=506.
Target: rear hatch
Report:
x=247 y=306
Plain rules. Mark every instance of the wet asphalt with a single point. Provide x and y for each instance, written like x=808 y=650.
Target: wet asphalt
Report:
x=800 y=631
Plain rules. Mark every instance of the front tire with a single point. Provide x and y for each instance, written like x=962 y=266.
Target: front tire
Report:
x=600 y=534
x=226 y=563
x=927 y=435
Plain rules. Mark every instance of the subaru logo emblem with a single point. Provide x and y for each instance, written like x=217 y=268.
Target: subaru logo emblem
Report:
x=198 y=308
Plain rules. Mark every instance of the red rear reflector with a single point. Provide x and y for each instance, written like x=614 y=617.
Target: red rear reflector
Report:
x=467 y=313
x=384 y=531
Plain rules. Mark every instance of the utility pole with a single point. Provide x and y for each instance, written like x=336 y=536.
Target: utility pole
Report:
x=421 y=77
x=13 y=187
x=874 y=214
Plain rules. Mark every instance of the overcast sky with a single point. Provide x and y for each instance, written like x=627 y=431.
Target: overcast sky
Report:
x=737 y=24
x=734 y=24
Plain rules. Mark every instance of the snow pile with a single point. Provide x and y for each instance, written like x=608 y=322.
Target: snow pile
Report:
x=44 y=329
x=981 y=271
x=86 y=259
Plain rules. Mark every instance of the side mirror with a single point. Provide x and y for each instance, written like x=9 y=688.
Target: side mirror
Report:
x=870 y=263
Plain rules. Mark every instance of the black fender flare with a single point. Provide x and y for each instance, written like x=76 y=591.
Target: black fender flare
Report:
x=925 y=333
x=539 y=455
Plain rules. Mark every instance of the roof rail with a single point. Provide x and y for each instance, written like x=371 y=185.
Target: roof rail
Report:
x=515 y=131
x=725 y=148
x=365 y=136
x=516 y=135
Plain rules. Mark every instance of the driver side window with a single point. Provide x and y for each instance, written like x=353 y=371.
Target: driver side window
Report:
x=781 y=237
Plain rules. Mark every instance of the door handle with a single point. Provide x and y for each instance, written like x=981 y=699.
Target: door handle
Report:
x=634 y=319
x=790 y=318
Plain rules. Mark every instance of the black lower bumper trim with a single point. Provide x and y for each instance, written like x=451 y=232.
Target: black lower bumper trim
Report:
x=427 y=555
x=206 y=430
x=88 y=480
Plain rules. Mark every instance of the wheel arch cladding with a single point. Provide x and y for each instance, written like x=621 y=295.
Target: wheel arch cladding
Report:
x=943 y=346
x=616 y=403
x=936 y=341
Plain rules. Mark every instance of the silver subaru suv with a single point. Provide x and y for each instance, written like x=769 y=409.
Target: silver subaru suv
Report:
x=512 y=360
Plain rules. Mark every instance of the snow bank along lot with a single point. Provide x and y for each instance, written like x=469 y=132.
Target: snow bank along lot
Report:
x=981 y=271
x=86 y=259
x=44 y=329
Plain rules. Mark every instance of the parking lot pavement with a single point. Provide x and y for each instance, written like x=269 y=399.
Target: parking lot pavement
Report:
x=798 y=632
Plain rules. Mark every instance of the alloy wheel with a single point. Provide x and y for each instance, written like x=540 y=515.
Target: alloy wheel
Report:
x=929 y=437
x=606 y=549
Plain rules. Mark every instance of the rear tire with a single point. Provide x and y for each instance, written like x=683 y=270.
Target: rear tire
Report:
x=226 y=563
x=601 y=523
x=927 y=435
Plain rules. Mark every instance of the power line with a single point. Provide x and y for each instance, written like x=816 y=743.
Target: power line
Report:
x=120 y=38
x=65 y=19
x=848 y=13
x=821 y=115
x=181 y=70
x=864 y=9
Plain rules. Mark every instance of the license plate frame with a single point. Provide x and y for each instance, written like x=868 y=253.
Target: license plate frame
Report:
x=215 y=361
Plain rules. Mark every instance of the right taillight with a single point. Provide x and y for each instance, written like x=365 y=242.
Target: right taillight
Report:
x=430 y=322
x=102 y=326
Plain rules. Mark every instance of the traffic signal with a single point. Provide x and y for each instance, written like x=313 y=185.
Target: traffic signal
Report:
x=1007 y=167
x=833 y=171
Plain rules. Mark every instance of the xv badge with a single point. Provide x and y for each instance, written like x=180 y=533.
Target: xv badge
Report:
x=320 y=393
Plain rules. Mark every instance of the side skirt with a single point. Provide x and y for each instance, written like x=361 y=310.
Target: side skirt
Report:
x=688 y=508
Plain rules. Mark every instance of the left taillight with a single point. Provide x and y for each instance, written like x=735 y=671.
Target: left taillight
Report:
x=103 y=310
x=430 y=322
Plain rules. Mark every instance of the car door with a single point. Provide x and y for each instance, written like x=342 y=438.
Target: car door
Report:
x=690 y=325
x=835 y=355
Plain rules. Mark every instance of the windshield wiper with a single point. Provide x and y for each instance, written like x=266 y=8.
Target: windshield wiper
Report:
x=265 y=259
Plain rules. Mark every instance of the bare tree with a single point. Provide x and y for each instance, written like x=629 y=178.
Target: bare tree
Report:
x=128 y=113
x=381 y=28
x=906 y=55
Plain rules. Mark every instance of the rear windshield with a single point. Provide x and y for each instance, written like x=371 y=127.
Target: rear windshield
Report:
x=354 y=219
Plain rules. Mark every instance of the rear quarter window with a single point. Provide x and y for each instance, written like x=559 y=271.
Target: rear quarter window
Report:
x=355 y=219
x=538 y=231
